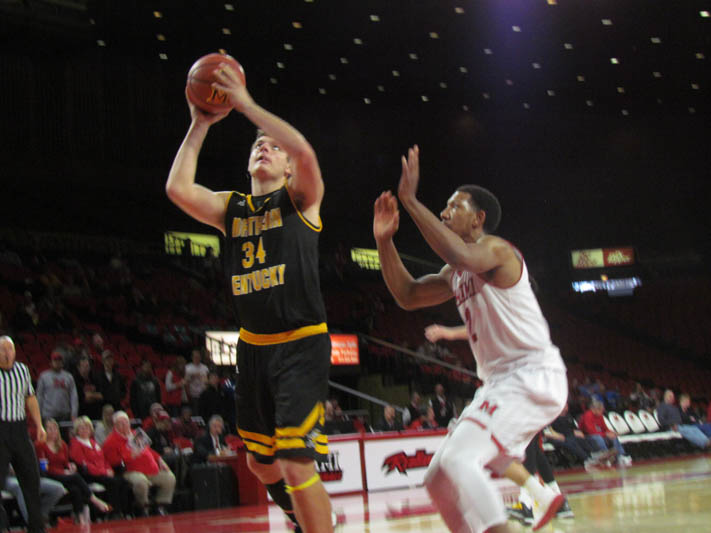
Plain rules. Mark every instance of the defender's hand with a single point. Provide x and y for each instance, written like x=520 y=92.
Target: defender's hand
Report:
x=410 y=176
x=386 y=217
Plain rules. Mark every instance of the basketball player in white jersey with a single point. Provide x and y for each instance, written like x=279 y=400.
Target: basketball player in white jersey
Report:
x=525 y=385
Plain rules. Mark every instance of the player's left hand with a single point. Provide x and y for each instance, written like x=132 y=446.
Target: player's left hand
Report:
x=410 y=177
x=229 y=82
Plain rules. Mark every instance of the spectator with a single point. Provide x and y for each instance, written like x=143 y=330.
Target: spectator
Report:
x=153 y=412
x=443 y=407
x=144 y=467
x=162 y=441
x=105 y=425
x=670 y=417
x=213 y=442
x=389 y=421
x=640 y=398
x=110 y=383
x=563 y=433
x=185 y=426
x=57 y=392
x=689 y=417
x=412 y=411
x=430 y=420
x=90 y=399
x=335 y=424
x=175 y=395
x=86 y=453
x=145 y=391
x=56 y=452
x=51 y=492
x=598 y=435
x=211 y=400
x=196 y=379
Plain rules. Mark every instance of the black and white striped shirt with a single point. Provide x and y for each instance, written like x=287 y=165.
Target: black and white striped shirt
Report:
x=15 y=386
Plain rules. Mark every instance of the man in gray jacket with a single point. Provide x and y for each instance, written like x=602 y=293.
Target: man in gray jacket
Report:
x=57 y=392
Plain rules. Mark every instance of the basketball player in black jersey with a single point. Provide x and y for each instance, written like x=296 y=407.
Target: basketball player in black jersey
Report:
x=271 y=258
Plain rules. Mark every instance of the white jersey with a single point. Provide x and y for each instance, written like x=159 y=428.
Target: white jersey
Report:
x=505 y=327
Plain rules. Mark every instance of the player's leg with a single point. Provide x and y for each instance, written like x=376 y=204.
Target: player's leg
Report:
x=312 y=505
x=459 y=485
x=271 y=475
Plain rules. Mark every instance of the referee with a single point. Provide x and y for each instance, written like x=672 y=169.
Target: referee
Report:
x=15 y=446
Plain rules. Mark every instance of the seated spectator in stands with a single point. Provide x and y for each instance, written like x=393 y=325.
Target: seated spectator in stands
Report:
x=640 y=399
x=670 y=417
x=110 y=383
x=334 y=425
x=412 y=411
x=161 y=435
x=212 y=442
x=56 y=452
x=86 y=453
x=145 y=391
x=443 y=407
x=185 y=426
x=175 y=395
x=143 y=467
x=153 y=411
x=563 y=433
x=431 y=421
x=688 y=416
x=90 y=399
x=105 y=425
x=57 y=392
x=588 y=388
x=389 y=421
x=51 y=492
x=211 y=400
x=598 y=435
x=611 y=398
x=196 y=379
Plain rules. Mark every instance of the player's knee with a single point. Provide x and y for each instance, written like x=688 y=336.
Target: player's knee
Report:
x=297 y=470
x=264 y=472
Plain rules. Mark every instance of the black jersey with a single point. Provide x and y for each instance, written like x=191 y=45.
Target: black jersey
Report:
x=271 y=263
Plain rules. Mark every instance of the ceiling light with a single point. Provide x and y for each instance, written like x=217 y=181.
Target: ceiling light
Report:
x=222 y=51
x=700 y=55
x=374 y=18
x=229 y=7
x=614 y=61
x=158 y=14
x=357 y=41
x=92 y=22
x=606 y=22
x=589 y=103
x=331 y=77
x=296 y=24
x=465 y=107
x=526 y=105
x=536 y=65
x=366 y=100
x=413 y=56
x=381 y=89
x=657 y=74
x=692 y=110
x=226 y=31
x=273 y=81
x=344 y=60
x=424 y=98
x=659 y=100
x=695 y=86
x=443 y=85
x=463 y=70
x=280 y=64
x=101 y=42
x=288 y=46
x=704 y=14
x=567 y=46
x=509 y=83
x=396 y=73
x=580 y=78
x=517 y=29
x=621 y=90
x=550 y=92
x=625 y=112
x=163 y=56
x=321 y=90
x=655 y=40
x=486 y=96
x=552 y=2
x=434 y=35
x=459 y=10
x=488 y=51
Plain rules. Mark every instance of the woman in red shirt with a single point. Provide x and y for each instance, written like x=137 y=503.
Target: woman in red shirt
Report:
x=56 y=454
x=86 y=453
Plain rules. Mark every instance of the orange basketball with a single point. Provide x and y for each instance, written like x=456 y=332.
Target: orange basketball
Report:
x=200 y=79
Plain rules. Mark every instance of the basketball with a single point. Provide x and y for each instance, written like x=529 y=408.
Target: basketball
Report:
x=200 y=79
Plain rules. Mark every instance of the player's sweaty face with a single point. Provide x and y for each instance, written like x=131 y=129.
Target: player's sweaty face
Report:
x=268 y=156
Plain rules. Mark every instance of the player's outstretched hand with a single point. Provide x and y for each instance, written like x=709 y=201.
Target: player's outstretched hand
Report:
x=386 y=217
x=198 y=115
x=230 y=82
x=410 y=177
x=434 y=332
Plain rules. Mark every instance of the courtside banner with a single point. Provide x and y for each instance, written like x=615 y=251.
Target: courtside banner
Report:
x=392 y=463
x=344 y=349
x=341 y=472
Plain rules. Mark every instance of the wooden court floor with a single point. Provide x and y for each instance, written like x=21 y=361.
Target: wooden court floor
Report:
x=671 y=496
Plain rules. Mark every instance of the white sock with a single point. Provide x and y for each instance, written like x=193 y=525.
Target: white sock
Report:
x=525 y=498
x=553 y=485
x=537 y=491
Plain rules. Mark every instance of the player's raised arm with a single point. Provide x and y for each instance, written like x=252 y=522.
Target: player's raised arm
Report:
x=409 y=293
x=306 y=182
x=196 y=200
x=435 y=332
